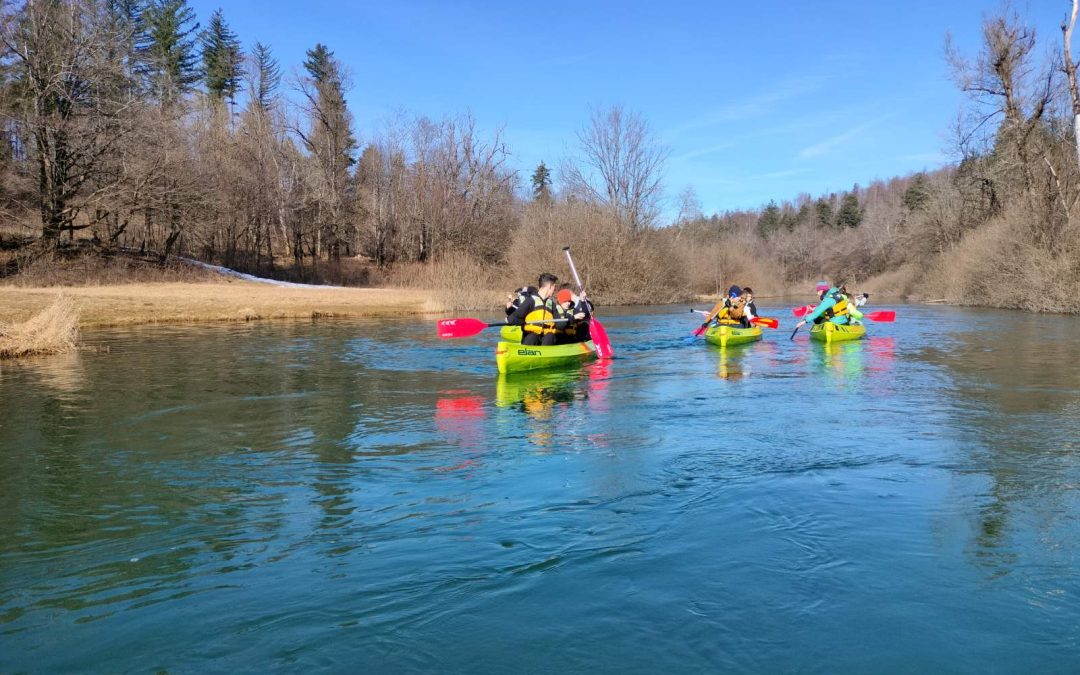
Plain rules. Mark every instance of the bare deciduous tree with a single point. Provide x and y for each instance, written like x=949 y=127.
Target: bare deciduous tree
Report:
x=621 y=166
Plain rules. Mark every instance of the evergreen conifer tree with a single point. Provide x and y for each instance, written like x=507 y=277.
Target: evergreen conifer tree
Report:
x=267 y=75
x=824 y=211
x=917 y=194
x=541 y=184
x=172 y=63
x=769 y=221
x=850 y=215
x=221 y=57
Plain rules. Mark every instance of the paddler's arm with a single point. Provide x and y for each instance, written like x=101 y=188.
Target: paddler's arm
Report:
x=517 y=318
x=824 y=305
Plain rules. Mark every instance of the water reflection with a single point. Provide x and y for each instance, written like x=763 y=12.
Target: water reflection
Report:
x=1014 y=382
x=731 y=361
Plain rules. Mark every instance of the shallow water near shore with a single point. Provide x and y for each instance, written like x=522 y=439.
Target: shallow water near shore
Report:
x=362 y=497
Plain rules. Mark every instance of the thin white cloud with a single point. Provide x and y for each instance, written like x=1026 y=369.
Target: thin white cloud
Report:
x=927 y=157
x=786 y=173
x=703 y=152
x=825 y=146
x=762 y=103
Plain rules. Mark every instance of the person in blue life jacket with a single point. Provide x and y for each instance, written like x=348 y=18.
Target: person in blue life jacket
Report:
x=833 y=307
x=536 y=312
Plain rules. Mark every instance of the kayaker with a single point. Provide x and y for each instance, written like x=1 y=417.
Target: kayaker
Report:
x=743 y=308
x=515 y=299
x=853 y=304
x=536 y=308
x=833 y=307
x=855 y=300
x=574 y=327
x=732 y=311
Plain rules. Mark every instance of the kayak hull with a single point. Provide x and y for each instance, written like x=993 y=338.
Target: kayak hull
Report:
x=728 y=336
x=513 y=357
x=831 y=332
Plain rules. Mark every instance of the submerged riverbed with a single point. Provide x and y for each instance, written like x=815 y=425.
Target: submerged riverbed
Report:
x=361 y=497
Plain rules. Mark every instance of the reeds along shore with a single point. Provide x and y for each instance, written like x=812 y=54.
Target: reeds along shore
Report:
x=54 y=330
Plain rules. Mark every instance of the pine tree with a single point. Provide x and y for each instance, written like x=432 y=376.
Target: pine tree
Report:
x=330 y=141
x=541 y=184
x=221 y=59
x=917 y=194
x=824 y=212
x=132 y=41
x=171 y=25
x=320 y=64
x=769 y=221
x=267 y=76
x=850 y=214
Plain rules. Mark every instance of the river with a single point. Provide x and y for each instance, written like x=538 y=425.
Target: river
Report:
x=358 y=496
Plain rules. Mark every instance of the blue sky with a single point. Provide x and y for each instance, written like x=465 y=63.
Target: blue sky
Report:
x=756 y=100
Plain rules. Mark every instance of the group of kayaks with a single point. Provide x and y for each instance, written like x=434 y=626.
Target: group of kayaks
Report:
x=512 y=357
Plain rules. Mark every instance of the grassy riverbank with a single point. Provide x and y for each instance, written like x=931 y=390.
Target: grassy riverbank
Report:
x=178 y=302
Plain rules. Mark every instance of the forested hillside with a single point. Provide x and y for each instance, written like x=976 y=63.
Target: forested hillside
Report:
x=131 y=127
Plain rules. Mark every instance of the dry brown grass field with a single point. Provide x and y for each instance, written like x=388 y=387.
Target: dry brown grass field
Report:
x=177 y=302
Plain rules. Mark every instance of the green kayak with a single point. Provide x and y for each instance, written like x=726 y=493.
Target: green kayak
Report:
x=831 y=332
x=726 y=335
x=514 y=357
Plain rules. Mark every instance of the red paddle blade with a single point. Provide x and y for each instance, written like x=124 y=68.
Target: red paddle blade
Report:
x=459 y=328
x=700 y=330
x=882 y=316
x=800 y=312
x=600 y=340
x=767 y=322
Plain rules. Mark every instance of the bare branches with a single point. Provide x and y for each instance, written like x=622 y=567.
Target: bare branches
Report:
x=621 y=166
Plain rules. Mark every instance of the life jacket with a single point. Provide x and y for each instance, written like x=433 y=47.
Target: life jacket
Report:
x=838 y=309
x=571 y=327
x=543 y=310
x=736 y=311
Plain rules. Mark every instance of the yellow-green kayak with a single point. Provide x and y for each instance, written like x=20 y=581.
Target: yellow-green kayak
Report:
x=831 y=332
x=726 y=336
x=514 y=357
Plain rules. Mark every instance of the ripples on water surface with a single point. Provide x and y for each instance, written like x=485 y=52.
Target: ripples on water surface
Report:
x=362 y=497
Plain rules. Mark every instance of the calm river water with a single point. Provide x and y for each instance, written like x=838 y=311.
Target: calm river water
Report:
x=361 y=497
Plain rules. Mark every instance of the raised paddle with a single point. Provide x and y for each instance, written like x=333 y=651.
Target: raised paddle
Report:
x=600 y=340
x=460 y=328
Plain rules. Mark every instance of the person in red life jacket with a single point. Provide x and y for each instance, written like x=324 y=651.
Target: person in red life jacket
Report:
x=535 y=313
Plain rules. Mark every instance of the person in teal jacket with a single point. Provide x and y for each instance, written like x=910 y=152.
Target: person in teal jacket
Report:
x=833 y=307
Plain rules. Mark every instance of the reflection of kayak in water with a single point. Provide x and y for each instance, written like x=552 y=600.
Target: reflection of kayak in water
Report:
x=514 y=357
x=537 y=390
x=724 y=335
x=831 y=332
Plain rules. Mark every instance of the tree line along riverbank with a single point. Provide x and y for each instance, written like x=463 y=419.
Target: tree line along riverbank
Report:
x=176 y=143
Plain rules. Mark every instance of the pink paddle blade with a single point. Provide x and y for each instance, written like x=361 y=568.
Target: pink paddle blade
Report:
x=800 y=312
x=882 y=316
x=459 y=328
x=600 y=339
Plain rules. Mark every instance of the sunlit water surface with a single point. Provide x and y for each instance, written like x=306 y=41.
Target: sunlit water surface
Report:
x=361 y=497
